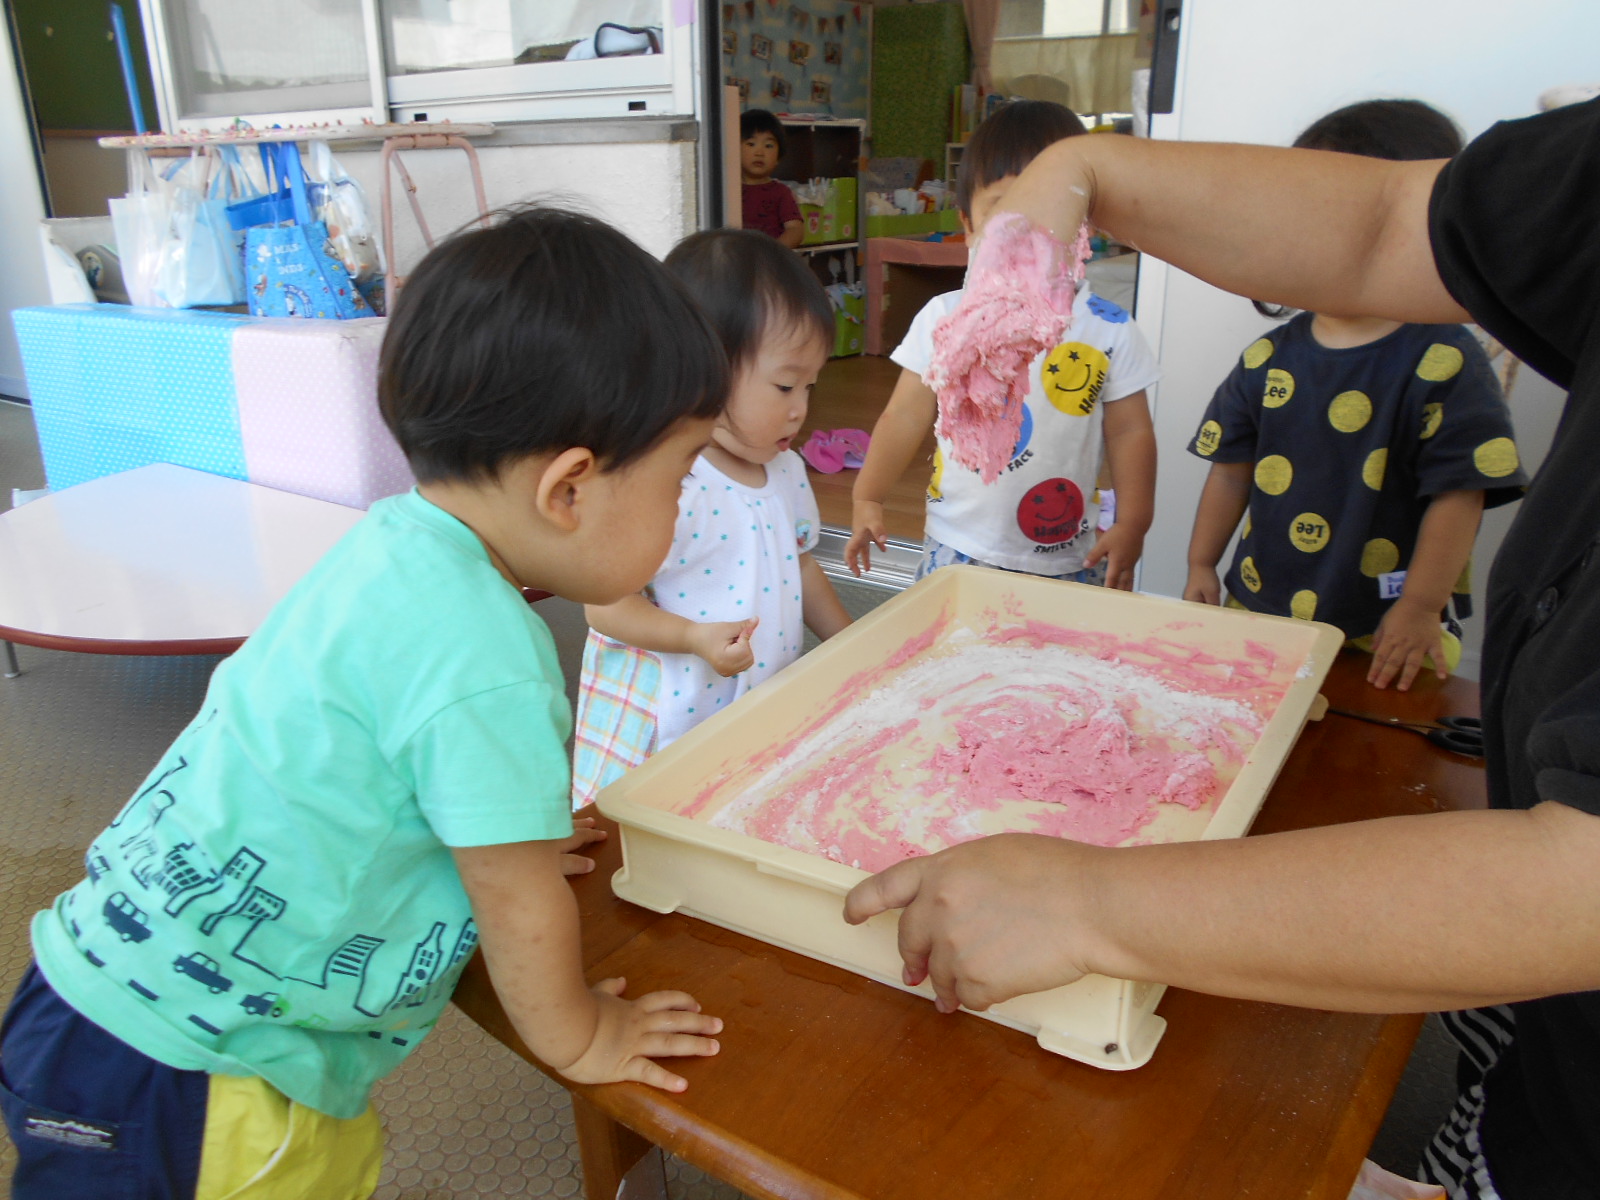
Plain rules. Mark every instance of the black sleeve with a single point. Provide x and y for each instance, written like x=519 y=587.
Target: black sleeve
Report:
x=1515 y=226
x=1466 y=442
x=1564 y=749
x=1227 y=432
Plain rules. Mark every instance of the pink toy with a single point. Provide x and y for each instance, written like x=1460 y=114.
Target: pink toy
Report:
x=1017 y=305
x=832 y=451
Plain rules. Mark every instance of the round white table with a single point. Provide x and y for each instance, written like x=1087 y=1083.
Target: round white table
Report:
x=159 y=560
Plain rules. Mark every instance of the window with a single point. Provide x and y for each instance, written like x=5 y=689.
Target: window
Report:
x=308 y=61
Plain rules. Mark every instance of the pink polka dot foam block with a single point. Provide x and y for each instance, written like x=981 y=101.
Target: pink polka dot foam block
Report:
x=308 y=410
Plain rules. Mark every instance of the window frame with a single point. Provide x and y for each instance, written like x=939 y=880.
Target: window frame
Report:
x=647 y=85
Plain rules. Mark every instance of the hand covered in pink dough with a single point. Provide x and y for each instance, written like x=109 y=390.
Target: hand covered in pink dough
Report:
x=1017 y=305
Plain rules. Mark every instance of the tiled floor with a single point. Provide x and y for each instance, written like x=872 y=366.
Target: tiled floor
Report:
x=465 y=1118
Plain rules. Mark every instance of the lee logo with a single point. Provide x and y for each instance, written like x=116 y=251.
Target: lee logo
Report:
x=1280 y=386
x=1309 y=532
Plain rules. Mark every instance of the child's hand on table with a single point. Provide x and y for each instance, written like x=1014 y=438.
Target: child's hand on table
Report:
x=1408 y=633
x=866 y=530
x=583 y=834
x=1120 y=546
x=1204 y=587
x=631 y=1033
x=725 y=645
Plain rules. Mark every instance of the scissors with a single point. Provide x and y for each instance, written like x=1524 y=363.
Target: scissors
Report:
x=1459 y=735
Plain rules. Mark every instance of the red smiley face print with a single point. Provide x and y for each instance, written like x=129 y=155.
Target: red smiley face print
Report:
x=1051 y=512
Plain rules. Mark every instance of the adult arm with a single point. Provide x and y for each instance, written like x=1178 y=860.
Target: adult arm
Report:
x=1333 y=233
x=1403 y=914
x=1410 y=629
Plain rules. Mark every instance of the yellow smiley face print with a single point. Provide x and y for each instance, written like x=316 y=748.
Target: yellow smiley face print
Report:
x=1072 y=376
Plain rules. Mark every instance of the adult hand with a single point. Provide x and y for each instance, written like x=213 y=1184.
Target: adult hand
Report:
x=985 y=920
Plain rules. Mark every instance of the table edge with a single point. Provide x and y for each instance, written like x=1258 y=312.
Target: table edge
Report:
x=87 y=645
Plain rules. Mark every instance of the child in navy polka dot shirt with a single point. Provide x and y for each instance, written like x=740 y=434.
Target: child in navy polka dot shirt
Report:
x=1361 y=451
x=731 y=604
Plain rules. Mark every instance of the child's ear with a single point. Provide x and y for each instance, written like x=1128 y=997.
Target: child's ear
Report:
x=559 y=486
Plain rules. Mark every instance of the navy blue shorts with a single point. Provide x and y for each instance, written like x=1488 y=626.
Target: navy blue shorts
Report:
x=91 y=1117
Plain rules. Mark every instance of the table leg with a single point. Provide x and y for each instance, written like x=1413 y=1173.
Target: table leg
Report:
x=618 y=1164
x=12 y=669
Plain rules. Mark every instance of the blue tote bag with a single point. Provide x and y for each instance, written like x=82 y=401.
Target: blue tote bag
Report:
x=292 y=269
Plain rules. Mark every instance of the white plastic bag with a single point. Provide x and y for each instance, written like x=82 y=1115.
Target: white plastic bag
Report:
x=338 y=202
x=199 y=262
x=139 y=220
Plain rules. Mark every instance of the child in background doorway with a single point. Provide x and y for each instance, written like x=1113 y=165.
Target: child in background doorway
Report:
x=1087 y=397
x=769 y=206
x=1364 y=450
x=739 y=587
x=376 y=783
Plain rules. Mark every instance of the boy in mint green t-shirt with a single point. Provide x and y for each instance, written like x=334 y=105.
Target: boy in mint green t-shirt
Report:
x=377 y=780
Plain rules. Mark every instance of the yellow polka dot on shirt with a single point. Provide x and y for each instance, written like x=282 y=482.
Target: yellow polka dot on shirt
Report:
x=1309 y=532
x=1209 y=438
x=1496 y=458
x=1373 y=470
x=1350 y=411
x=1441 y=362
x=1379 y=557
x=1280 y=386
x=1257 y=352
x=1432 y=414
x=1249 y=574
x=1274 y=474
x=1303 y=605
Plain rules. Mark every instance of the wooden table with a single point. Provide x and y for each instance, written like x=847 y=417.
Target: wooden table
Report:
x=832 y=1087
x=158 y=560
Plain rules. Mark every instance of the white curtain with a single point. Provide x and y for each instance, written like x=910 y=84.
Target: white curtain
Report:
x=1097 y=71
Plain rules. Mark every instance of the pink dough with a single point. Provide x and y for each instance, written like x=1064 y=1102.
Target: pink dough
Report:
x=1024 y=726
x=1017 y=305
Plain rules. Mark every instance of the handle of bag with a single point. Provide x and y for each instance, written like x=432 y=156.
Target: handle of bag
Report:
x=290 y=167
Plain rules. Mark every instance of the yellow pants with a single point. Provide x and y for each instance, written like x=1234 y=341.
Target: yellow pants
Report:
x=260 y=1145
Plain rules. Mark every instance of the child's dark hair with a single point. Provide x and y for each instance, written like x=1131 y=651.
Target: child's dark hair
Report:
x=758 y=120
x=1008 y=140
x=545 y=331
x=1399 y=130
x=748 y=284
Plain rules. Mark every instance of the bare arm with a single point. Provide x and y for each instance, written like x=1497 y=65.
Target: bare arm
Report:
x=896 y=439
x=1130 y=439
x=1404 y=914
x=1332 y=233
x=824 y=613
x=634 y=621
x=1223 y=501
x=527 y=921
x=1410 y=629
x=794 y=232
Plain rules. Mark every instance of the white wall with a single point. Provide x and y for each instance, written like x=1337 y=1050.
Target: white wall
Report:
x=645 y=189
x=22 y=281
x=1262 y=70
